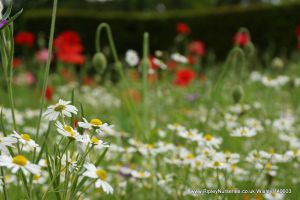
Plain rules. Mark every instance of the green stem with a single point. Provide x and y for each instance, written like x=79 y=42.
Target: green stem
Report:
x=110 y=40
x=5 y=197
x=145 y=66
x=46 y=74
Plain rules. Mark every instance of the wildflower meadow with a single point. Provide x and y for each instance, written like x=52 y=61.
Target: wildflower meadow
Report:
x=80 y=123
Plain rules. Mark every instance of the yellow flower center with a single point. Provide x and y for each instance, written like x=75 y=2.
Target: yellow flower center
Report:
x=70 y=130
x=190 y=134
x=190 y=156
x=36 y=177
x=25 y=137
x=141 y=174
x=296 y=152
x=244 y=132
x=94 y=140
x=101 y=174
x=208 y=137
x=59 y=108
x=198 y=163
x=176 y=125
x=233 y=167
x=217 y=164
x=20 y=160
x=268 y=166
x=149 y=146
x=96 y=122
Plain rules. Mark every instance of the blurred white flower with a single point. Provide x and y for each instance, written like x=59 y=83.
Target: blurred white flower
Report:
x=243 y=132
x=132 y=58
x=179 y=58
x=274 y=196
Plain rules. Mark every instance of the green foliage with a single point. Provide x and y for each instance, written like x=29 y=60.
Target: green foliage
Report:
x=216 y=27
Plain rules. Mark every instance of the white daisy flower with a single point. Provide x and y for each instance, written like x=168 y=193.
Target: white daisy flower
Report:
x=132 y=58
x=19 y=162
x=294 y=153
x=179 y=58
x=7 y=142
x=68 y=131
x=140 y=174
x=97 y=143
x=209 y=141
x=254 y=124
x=62 y=107
x=243 y=132
x=25 y=139
x=94 y=123
x=218 y=162
x=100 y=175
x=274 y=196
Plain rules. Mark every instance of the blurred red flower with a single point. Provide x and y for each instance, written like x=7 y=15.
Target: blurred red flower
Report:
x=184 y=77
x=88 y=80
x=49 y=93
x=197 y=47
x=69 y=48
x=25 y=38
x=153 y=64
x=298 y=31
x=183 y=28
x=241 y=38
x=16 y=63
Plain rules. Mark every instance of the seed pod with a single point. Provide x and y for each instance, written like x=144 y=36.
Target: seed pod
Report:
x=237 y=94
x=99 y=62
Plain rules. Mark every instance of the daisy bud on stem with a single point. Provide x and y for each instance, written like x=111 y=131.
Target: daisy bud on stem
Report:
x=237 y=94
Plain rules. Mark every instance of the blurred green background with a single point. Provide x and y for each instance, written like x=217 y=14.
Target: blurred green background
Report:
x=272 y=23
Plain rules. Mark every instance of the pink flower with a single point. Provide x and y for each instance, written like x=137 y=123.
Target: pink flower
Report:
x=26 y=78
x=42 y=55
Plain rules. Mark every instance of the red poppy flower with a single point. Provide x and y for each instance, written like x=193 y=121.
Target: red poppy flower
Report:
x=184 y=77
x=69 y=48
x=49 y=93
x=25 y=38
x=197 y=48
x=298 y=31
x=183 y=28
x=241 y=38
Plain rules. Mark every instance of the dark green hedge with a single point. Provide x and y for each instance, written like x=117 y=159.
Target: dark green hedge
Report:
x=268 y=25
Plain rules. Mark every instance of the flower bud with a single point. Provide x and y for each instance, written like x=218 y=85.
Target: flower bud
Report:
x=237 y=94
x=99 y=62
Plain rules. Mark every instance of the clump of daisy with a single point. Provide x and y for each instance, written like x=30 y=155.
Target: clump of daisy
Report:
x=62 y=108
